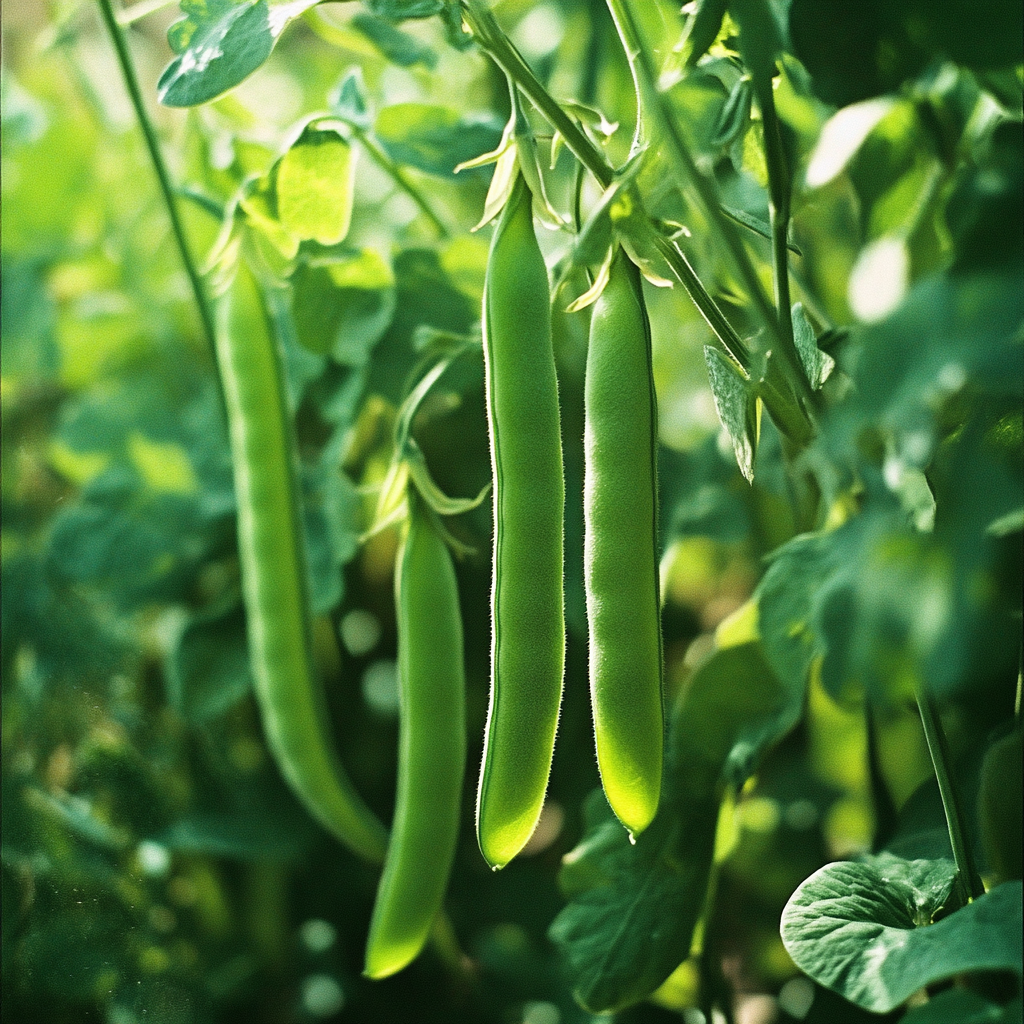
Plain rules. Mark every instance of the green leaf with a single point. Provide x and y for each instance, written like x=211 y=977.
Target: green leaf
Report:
x=735 y=116
x=433 y=138
x=756 y=224
x=272 y=834
x=399 y=47
x=737 y=407
x=314 y=186
x=348 y=100
x=965 y=1007
x=626 y=933
x=219 y=44
x=208 y=666
x=400 y=10
x=817 y=364
x=342 y=307
x=702 y=29
x=864 y=929
x=634 y=907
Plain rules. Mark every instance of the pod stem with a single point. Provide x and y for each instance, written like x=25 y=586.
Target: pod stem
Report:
x=131 y=82
x=938 y=747
x=786 y=391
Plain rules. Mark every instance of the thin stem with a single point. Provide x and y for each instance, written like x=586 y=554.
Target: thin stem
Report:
x=400 y=178
x=499 y=47
x=967 y=870
x=792 y=416
x=779 y=185
x=132 y=84
x=634 y=71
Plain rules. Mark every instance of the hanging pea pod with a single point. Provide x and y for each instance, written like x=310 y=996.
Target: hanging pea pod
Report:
x=432 y=749
x=620 y=503
x=527 y=605
x=273 y=564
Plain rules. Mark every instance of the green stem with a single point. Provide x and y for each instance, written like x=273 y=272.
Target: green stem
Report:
x=785 y=376
x=499 y=47
x=967 y=870
x=132 y=84
x=779 y=185
x=400 y=178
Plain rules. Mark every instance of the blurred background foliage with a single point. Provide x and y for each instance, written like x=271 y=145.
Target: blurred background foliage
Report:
x=155 y=867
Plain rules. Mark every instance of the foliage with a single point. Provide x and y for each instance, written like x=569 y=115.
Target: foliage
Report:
x=835 y=193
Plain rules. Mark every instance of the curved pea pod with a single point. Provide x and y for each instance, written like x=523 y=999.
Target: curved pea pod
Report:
x=432 y=752
x=527 y=604
x=273 y=566
x=620 y=549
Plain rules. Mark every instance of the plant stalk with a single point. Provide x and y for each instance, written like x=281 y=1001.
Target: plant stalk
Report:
x=132 y=84
x=779 y=185
x=967 y=869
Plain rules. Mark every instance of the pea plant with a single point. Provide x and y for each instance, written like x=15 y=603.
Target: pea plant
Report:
x=514 y=512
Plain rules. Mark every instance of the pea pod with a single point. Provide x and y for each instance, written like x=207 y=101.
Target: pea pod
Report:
x=432 y=751
x=620 y=549
x=527 y=606
x=273 y=564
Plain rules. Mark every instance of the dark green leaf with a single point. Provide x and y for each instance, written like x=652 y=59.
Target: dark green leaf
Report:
x=634 y=907
x=268 y=835
x=208 y=667
x=400 y=10
x=865 y=929
x=399 y=47
x=702 y=29
x=965 y=1007
x=624 y=935
x=434 y=138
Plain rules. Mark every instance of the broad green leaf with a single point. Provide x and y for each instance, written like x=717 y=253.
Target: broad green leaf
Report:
x=208 y=666
x=314 y=187
x=433 y=138
x=29 y=317
x=219 y=44
x=737 y=407
x=864 y=929
x=343 y=307
x=399 y=47
x=120 y=522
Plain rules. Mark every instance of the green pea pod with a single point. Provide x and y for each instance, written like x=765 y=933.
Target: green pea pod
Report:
x=527 y=605
x=273 y=563
x=620 y=549
x=432 y=751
